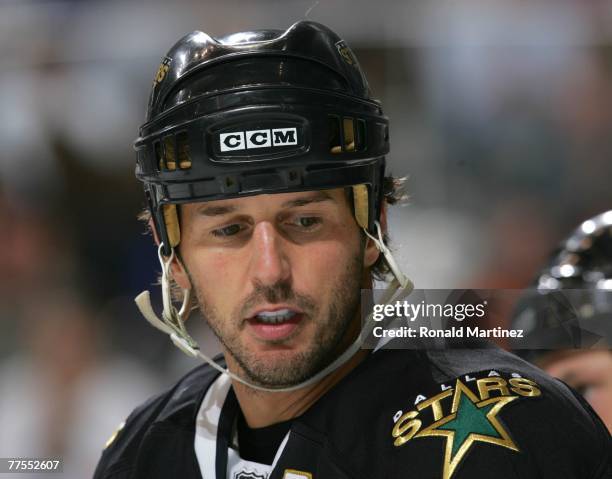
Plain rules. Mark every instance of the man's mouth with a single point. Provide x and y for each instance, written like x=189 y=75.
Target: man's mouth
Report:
x=275 y=317
x=275 y=325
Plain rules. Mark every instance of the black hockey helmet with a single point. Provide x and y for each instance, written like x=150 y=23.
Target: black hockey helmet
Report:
x=570 y=304
x=257 y=112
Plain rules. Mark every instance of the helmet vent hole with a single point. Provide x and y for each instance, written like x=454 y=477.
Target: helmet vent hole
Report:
x=348 y=130
x=159 y=155
x=335 y=142
x=360 y=136
x=170 y=152
x=184 y=157
x=346 y=135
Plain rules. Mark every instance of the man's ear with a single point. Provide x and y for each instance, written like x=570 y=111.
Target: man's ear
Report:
x=179 y=274
x=372 y=252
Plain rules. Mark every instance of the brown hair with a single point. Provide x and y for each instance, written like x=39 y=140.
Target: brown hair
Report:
x=394 y=192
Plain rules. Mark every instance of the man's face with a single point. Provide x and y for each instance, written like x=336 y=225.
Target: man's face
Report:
x=277 y=277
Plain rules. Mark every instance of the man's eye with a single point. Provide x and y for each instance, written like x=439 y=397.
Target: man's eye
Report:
x=307 y=222
x=229 y=230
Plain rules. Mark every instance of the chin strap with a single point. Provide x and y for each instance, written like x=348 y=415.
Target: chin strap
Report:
x=172 y=322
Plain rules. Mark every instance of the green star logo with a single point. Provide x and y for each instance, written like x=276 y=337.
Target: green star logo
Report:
x=470 y=421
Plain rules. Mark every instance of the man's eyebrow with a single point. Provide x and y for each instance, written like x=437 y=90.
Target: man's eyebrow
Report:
x=316 y=198
x=218 y=210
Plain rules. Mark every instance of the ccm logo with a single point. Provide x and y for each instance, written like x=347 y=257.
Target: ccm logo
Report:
x=245 y=140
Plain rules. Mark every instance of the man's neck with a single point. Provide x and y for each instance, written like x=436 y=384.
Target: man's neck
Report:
x=262 y=408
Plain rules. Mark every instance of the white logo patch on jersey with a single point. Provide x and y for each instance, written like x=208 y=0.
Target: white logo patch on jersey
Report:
x=249 y=475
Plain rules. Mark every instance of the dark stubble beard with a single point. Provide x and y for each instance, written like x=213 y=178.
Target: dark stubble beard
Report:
x=332 y=324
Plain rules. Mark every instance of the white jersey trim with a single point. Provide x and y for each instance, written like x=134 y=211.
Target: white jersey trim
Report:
x=205 y=443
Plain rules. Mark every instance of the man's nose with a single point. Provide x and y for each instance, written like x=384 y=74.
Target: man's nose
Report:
x=269 y=263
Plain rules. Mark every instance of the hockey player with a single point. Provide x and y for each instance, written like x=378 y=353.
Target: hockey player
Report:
x=262 y=159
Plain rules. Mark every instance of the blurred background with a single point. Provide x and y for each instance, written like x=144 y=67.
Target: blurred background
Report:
x=500 y=117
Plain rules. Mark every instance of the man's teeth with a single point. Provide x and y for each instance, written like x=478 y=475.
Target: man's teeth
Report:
x=275 y=317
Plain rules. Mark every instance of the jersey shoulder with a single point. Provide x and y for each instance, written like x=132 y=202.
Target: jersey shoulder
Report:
x=458 y=413
x=174 y=408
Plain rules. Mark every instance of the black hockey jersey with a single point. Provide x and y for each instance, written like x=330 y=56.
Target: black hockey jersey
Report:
x=448 y=414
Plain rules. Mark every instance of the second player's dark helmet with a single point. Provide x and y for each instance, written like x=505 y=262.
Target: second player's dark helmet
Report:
x=257 y=112
x=570 y=304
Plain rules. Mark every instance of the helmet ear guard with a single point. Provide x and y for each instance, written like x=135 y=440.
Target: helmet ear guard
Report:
x=171 y=222
x=361 y=205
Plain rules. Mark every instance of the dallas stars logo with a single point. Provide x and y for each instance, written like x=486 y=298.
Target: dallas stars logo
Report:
x=470 y=421
x=471 y=418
